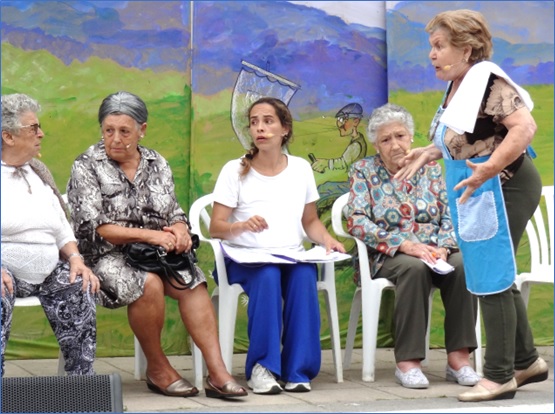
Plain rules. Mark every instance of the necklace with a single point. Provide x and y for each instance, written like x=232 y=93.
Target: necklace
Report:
x=19 y=172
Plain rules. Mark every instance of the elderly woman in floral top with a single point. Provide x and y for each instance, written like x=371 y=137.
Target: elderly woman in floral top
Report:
x=404 y=223
x=121 y=192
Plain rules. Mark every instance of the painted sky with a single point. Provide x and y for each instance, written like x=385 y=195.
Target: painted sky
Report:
x=367 y=13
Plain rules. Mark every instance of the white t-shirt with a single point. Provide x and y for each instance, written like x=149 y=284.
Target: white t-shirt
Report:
x=280 y=200
x=34 y=226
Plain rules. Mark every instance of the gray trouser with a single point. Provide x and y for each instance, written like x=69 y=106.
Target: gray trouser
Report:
x=70 y=311
x=509 y=340
x=413 y=282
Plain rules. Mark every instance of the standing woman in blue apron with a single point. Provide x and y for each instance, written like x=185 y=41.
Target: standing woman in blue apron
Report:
x=483 y=129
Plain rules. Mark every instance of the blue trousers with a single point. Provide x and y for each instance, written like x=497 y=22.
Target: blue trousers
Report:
x=283 y=318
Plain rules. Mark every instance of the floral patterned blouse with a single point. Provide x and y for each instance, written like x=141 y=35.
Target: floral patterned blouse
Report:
x=100 y=193
x=383 y=211
x=499 y=101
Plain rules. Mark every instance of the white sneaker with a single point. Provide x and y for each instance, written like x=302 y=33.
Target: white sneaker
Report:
x=464 y=376
x=262 y=381
x=298 y=387
x=413 y=378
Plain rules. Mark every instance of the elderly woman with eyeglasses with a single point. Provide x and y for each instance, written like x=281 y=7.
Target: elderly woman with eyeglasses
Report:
x=122 y=192
x=39 y=251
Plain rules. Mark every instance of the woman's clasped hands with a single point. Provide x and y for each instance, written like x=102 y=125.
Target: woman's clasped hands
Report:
x=423 y=251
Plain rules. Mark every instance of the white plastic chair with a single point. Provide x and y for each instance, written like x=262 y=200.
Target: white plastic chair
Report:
x=367 y=298
x=225 y=296
x=541 y=247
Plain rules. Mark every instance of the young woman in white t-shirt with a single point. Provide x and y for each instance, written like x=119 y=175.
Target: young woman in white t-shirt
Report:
x=266 y=200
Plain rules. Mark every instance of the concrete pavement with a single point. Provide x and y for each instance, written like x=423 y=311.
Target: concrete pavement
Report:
x=353 y=395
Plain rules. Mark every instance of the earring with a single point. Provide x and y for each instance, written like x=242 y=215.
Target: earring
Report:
x=141 y=137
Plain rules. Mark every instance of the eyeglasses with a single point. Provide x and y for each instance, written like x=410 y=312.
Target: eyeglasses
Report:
x=35 y=127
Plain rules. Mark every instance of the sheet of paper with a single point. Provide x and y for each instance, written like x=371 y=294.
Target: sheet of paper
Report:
x=314 y=255
x=245 y=255
x=440 y=266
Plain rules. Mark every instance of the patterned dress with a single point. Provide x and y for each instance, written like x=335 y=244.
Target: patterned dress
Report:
x=100 y=193
x=383 y=212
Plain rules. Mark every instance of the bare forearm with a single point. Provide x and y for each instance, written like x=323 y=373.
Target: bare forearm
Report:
x=122 y=235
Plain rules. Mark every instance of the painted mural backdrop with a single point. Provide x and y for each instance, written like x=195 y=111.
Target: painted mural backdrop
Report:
x=523 y=46
x=198 y=65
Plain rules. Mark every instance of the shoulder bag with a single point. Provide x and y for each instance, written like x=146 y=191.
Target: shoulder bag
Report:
x=155 y=259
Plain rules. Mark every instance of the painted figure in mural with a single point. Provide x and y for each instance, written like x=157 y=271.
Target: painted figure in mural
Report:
x=266 y=200
x=483 y=129
x=122 y=192
x=39 y=251
x=404 y=222
x=347 y=121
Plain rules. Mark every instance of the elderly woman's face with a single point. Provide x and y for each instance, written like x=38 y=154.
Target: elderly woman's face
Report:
x=27 y=141
x=448 y=61
x=121 y=136
x=393 y=142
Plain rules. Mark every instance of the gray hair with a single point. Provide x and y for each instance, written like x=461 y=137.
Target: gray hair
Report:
x=387 y=114
x=13 y=107
x=123 y=103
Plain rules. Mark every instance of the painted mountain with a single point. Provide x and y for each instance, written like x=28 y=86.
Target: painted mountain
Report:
x=524 y=49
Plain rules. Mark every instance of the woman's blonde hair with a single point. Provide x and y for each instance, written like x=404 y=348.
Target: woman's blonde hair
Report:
x=465 y=28
x=286 y=120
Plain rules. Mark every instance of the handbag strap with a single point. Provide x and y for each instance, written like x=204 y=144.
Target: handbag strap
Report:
x=173 y=276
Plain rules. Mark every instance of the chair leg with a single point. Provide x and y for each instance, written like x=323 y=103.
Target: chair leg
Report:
x=370 y=319
x=356 y=307
x=227 y=315
x=478 y=364
x=525 y=292
x=199 y=367
x=61 y=364
x=328 y=286
x=140 y=361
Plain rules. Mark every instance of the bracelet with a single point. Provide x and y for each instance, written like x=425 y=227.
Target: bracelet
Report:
x=75 y=254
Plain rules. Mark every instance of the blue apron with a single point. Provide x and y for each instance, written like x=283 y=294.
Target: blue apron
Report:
x=482 y=228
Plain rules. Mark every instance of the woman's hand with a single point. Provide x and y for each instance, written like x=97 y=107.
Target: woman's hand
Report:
x=421 y=251
x=166 y=239
x=6 y=283
x=78 y=268
x=333 y=245
x=480 y=174
x=255 y=224
x=181 y=241
x=416 y=159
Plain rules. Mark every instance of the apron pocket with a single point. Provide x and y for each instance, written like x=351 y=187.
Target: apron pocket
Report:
x=477 y=217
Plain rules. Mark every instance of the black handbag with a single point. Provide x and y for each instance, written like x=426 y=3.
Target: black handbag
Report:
x=155 y=259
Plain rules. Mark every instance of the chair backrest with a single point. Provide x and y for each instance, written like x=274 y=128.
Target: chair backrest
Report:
x=540 y=231
x=337 y=222
x=199 y=216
